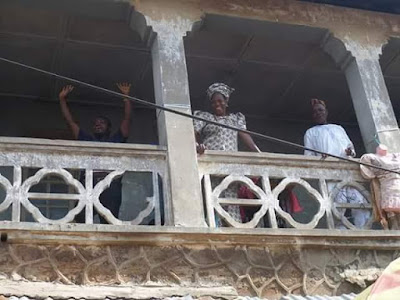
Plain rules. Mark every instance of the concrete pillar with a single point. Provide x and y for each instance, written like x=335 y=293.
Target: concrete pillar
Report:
x=371 y=101
x=172 y=90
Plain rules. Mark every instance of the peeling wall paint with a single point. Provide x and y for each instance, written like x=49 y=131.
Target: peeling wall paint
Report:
x=171 y=32
x=363 y=51
x=364 y=25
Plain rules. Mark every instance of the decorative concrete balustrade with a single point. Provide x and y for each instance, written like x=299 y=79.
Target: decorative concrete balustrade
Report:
x=63 y=158
x=327 y=177
x=310 y=176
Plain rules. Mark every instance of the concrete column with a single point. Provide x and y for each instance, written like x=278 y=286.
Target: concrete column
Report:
x=172 y=90
x=371 y=101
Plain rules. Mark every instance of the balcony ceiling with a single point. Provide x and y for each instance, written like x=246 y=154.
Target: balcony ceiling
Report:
x=97 y=47
x=275 y=68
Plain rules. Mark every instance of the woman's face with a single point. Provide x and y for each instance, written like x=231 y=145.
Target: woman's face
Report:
x=219 y=104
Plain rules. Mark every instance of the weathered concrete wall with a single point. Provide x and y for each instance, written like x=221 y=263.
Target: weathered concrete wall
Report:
x=364 y=26
x=267 y=272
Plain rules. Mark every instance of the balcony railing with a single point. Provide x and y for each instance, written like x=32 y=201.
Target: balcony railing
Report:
x=316 y=182
x=73 y=164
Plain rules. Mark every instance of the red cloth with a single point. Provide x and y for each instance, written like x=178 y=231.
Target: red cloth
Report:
x=295 y=206
x=245 y=193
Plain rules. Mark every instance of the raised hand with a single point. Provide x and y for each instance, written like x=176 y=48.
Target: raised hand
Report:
x=65 y=110
x=124 y=87
x=65 y=91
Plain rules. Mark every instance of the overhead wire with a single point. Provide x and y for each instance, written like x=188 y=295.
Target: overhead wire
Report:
x=188 y=115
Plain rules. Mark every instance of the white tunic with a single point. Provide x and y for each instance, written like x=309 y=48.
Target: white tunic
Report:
x=329 y=138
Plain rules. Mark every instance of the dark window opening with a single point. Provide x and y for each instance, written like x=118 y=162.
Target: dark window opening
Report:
x=101 y=47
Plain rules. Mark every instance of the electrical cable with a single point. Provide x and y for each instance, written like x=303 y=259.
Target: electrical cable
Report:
x=187 y=115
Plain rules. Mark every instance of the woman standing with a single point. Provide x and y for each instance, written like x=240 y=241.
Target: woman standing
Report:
x=213 y=137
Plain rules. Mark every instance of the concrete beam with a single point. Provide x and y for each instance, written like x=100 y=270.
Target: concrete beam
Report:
x=335 y=19
x=337 y=50
x=101 y=234
x=172 y=90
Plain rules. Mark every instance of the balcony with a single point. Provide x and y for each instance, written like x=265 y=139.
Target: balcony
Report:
x=67 y=161
x=241 y=253
x=71 y=165
x=308 y=176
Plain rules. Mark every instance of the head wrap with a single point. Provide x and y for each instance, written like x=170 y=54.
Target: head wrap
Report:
x=315 y=102
x=221 y=88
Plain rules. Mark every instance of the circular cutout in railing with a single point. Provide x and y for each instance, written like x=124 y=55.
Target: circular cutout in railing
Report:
x=53 y=196
x=299 y=203
x=351 y=205
x=239 y=201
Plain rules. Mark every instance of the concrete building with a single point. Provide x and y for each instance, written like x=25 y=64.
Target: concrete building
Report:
x=277 y=55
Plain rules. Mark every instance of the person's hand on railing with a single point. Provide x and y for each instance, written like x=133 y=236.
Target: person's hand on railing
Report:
x=200 y=148
x=324 y=156
x=350 y=151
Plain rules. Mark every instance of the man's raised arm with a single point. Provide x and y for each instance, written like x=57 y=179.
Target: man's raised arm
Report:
x=65 y=110
x=126 y=121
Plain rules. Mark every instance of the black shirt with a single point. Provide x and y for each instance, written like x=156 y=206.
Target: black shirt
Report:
x=117 y=137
